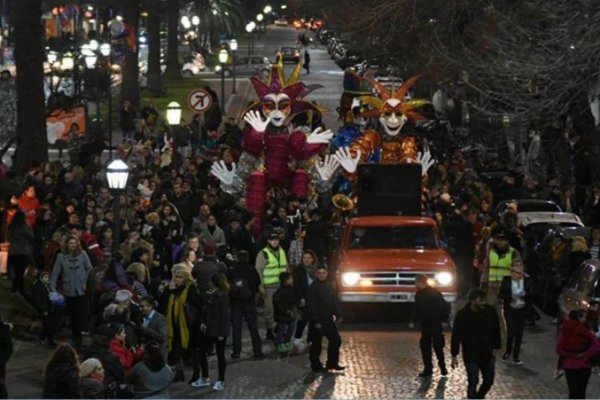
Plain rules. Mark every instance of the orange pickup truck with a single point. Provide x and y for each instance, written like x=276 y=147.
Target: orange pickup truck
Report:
x=380 y=256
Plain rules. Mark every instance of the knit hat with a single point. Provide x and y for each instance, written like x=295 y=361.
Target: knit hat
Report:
x=138 y=269
x=122 y=296
x=89 y=366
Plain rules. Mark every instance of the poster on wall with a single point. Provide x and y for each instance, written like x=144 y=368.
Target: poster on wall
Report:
x=66 y=125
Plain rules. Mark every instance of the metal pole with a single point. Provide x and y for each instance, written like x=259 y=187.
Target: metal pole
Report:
x=223 y=89
x=233 y=91
x=97 y=83
x=110 y=136
x=117 y=220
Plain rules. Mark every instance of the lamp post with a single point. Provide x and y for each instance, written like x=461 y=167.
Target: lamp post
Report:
x=233 y=45
x=259 y=19
x=267 y=10
x=250 y=26
x=105 y=50
x=117 y=173
x=173 y=113
x=223 y=57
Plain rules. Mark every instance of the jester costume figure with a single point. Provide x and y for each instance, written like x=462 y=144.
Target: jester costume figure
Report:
x=388 y=146
x=275 y=154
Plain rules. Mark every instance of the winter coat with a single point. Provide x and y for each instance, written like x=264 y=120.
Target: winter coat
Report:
x=248 y=273
x=574 y=338
x=204 y=271
x=216 y=238
x=478 y=332
x=216 y=314
x=41 y=296
x=322 y=302
x=284 y=305
x=93 y=389
x=126 y=357
x=73 y=269
x=21 y=240
x=430 y=308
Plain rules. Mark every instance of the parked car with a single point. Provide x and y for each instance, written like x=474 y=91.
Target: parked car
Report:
x=351 y=57
x=581 y=289
x=289 y=54
x=247 y=66
x=281 y=21
x=528 y=205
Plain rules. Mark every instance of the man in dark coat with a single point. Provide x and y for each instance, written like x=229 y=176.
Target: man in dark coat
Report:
x=154 y=325
x=316 y=238
x=477 y=329
x=430 y=310
x=323 y=311
x=244 y=281
x=206 y=268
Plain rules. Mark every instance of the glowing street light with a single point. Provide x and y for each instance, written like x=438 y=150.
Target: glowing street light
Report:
x=259 y=17
x=173 y=113
x=267 y=9
x=195 y=20
x=185 y=21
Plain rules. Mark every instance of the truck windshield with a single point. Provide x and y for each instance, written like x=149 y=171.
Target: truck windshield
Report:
x=393 y=237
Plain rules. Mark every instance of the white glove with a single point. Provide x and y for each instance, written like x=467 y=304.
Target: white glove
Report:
x=219 y=169
x=326 y=168
x=344 y=157
x=319 y=136
x=256 y=121
x=426 y=161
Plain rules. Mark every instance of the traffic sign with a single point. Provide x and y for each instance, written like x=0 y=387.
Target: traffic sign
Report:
x=199 y=100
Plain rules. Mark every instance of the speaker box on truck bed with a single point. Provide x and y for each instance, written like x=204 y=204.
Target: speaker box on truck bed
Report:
x=389 y=189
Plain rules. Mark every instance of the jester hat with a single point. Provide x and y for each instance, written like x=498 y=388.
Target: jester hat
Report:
x=292 y=87
x=381 y=105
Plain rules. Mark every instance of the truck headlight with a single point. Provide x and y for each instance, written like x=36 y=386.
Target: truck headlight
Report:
x=443 y=278
x=350 y=278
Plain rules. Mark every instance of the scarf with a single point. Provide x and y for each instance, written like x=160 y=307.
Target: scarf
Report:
x=176 y=315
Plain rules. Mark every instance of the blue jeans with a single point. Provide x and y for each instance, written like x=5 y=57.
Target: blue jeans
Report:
x=239 y=313
x=284 y=333
x=487 y=369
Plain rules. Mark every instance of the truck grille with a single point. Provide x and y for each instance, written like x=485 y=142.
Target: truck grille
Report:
x=392 y=279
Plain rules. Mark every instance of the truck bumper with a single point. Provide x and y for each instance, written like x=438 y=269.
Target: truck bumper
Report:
x=389 y=297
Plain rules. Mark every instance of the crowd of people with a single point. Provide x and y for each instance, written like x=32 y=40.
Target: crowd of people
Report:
x=189 y=268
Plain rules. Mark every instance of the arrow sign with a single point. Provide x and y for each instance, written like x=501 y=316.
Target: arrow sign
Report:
x=199 y=100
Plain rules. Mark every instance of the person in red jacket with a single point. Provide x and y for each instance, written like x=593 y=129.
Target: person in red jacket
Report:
x=576 y=346
x=126 y=357
x=29 y=203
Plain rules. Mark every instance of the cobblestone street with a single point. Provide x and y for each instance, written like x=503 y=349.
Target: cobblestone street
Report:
x=382 y=361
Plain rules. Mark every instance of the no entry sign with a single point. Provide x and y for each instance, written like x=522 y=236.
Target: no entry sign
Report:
x=199 y=100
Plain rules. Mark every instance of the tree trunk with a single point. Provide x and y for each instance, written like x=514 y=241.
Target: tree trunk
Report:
x=154 y=72
x=130 y=87
x=172 y=42
x=32 y=142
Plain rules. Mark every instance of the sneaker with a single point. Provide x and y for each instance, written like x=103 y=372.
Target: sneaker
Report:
x=219 y=385
x=558 y=373
x=444 y=372
x=425 y=374
x=319 y=369
x=518 y=362
x=201 y=382
x=336 y=367
x=505 y=356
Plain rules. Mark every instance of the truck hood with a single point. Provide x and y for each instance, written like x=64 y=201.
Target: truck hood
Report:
x=396 y=259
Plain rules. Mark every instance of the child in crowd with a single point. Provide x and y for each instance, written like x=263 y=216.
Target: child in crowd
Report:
x=284 y=305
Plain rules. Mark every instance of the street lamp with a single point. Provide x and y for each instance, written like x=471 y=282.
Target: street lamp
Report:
x=223 y=57
x=267 y=9
x=250 y=26
x=259 y=17
x=195 y=20
x=117 y=173
x=233 y=45
x=185 y=21
x=173 y=113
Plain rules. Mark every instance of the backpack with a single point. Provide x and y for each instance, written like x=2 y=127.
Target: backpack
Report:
x=240 y=289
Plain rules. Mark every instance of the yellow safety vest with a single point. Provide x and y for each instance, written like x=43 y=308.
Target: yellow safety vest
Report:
x=273 y=267
x=500 y=265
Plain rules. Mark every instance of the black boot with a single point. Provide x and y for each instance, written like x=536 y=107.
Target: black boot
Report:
x=179 y=376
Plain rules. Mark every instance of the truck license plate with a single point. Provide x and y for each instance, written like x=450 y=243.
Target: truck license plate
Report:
x=398 y=297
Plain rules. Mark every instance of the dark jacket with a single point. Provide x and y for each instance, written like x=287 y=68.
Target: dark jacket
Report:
x=61 y=382
x=41 y=296
x=478 y=332
x=204 y=271
x=505 y=291
x=6 y=344
x=245 y=272
x=216 y=314
x=300 y=276
x=316 y=238
x=430 y=308
x=284 y=304
x=93 y=389
x=321 y=302
x=156 y=331
x=21 y=240
x=113 y=370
